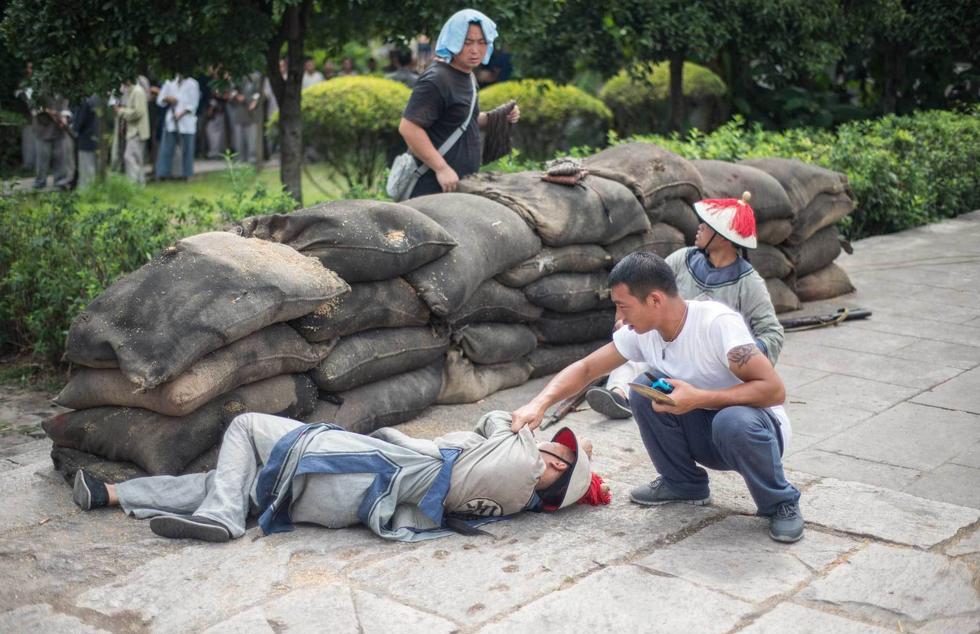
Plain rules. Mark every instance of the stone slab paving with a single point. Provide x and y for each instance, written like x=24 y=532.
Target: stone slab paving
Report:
x=737 y=557
x=886 y=453
x=627 y=599
x=857 y=508
x=789 y=617
x=892 y=585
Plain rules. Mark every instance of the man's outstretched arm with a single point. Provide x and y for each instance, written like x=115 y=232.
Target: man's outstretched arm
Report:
x=566 y=383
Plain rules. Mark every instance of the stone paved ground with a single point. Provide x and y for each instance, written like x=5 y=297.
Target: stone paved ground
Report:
x=886 y=451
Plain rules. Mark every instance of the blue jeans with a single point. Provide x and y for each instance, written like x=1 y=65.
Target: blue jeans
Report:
x=165 y=157
x=742 y=439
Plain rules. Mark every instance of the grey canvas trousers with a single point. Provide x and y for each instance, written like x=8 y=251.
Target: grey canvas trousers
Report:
x=224 y=495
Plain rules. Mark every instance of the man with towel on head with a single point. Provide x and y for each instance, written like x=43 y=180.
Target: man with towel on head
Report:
x=445 y=101
x=402 y=488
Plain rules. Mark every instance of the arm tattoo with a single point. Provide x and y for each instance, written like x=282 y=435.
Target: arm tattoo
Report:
x=740 y=355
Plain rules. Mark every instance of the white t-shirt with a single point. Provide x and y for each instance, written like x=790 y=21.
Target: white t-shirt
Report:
x=699 y=354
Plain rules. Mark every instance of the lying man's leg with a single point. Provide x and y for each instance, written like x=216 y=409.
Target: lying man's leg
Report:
x=747 y=441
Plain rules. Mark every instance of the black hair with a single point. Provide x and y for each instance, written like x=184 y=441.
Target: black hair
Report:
x=643 y=272
x=404 y=57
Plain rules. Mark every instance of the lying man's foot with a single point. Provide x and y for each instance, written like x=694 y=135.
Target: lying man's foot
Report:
x=89 y=492
x=786 y=524
x=609 y=403
x=657 y=493
x=192 y=527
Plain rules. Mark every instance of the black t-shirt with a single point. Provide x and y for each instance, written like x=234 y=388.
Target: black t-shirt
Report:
x=439 y=104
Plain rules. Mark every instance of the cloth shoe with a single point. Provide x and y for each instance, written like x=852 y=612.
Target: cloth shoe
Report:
x=786 y=524
x=657 y=493
x=189 y=527
x=89 y=492
x=608 y=403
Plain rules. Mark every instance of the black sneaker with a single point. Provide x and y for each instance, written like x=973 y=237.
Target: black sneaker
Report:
x=608 y=403
x=189 y=527
x=89 y=492
x=786 y=524
x=657 y=493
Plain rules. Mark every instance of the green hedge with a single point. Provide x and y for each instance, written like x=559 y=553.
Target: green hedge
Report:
x=905 y=171
x=61 y=250
x=640 y=99
x=10 y=127
x=352 y=122
x=554 y=118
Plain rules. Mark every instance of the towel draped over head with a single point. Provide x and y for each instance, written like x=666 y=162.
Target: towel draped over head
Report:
x=453 y=33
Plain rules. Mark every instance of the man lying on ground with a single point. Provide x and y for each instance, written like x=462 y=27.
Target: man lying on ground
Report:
x=402 y=488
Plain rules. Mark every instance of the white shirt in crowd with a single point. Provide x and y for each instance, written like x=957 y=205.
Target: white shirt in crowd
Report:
x=699 y=354
x=311 y=78
x=188 y=94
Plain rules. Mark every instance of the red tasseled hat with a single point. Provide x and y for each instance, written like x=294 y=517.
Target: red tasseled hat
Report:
x=731 y=218
x=596 y=495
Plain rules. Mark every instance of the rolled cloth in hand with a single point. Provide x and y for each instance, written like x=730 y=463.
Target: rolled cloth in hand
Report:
x=496 y=139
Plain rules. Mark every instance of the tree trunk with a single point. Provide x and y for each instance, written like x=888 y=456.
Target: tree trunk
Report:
x=292 y=32
x=676 y=93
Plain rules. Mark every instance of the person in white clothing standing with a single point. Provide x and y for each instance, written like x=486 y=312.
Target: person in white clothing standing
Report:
x=180 y=96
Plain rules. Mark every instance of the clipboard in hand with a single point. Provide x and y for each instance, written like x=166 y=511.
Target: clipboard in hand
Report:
x=652 y=394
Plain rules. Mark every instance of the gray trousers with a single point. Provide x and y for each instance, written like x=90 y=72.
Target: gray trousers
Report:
x=46 y=151
x=133 y=160
x=224 y=495
x=245 y=137
x=86 y=168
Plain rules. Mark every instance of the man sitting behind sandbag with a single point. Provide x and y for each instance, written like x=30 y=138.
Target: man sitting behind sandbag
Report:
x=711 y=269
x=402 y=488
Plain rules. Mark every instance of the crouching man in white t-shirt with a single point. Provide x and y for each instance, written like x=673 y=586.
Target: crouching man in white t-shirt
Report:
x=727 y=411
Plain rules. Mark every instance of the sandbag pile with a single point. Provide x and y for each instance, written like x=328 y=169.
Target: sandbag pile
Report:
x=364 y=312
x=796 y=207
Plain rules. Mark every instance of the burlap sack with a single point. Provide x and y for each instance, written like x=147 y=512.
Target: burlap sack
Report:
x=389 y=304
x=680 y=215
x=547 y=360
x=774 y=231
x=277 y=349
x=494 y=302
x=768 y=261
x=782 y=296
x=814 y=253
x=801 y=181
x=199 y=295
x=495 y=343
x=652 y=173
x=491 y=240
x=729 y=180
x=384 y=403
x=828 y=282
x=824 y=210
x=565 y=328
x=165 y=444
x=570 y=292
x=578 y=258
x=596 y=211
x=68 y=461
x=362 y=240
x=373 y=355
x=465 y=382
x=662 y=239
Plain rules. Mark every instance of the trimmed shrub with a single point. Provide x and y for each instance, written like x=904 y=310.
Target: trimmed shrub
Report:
x=905 y=171
x=554 y=118
x=640 y=98
x=352 y=122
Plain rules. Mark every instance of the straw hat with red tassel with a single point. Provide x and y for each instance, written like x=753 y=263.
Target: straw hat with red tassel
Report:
x=731 y=218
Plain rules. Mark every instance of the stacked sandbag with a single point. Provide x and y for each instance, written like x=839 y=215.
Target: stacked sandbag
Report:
x=565 y=280
x=797 y=207
x=666 y=185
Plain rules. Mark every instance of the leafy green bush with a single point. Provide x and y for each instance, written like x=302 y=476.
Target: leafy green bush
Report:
x=640 y=99
x=905 y=171
x=10 y=126
x=553 y=118
x=61 y=250
x=352 y=122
